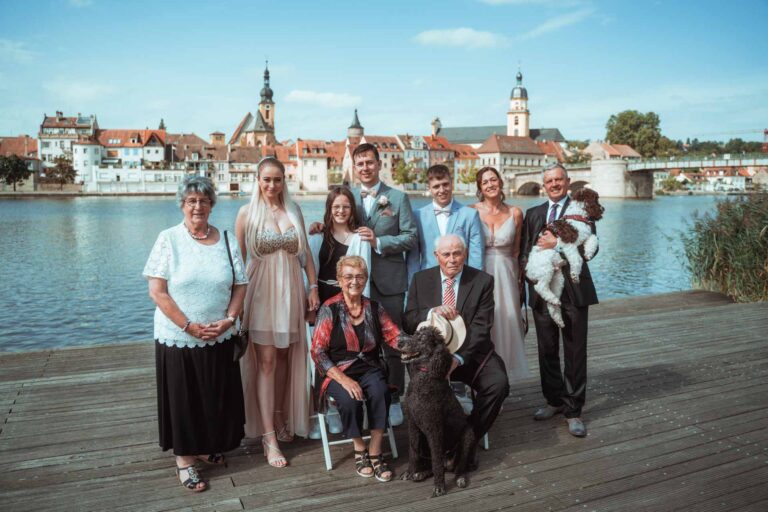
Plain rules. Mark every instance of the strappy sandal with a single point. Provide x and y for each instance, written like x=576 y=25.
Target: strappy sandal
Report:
x=214 y=459
x=380 y=468
x=283 y=435
x=193 y=480
x=274 y=461
x=362 y=462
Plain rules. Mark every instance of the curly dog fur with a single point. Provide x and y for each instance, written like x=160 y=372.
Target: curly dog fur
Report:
x=575 y=237
x=436 y=420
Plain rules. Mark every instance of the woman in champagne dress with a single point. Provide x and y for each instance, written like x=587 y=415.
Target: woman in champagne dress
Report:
x=502 y=227
x=270 y=230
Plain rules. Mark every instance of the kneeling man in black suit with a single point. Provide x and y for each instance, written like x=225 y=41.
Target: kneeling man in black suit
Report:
x=453 y=289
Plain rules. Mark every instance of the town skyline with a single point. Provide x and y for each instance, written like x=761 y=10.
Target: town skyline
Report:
x=148 y=64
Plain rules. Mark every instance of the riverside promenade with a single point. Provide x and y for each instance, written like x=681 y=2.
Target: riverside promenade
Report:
x=677 y=410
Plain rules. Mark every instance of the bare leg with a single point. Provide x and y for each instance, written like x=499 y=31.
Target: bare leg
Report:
x=265 y=392
x=281 y=389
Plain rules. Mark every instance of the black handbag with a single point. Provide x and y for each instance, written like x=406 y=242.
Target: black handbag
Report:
x=240 y=338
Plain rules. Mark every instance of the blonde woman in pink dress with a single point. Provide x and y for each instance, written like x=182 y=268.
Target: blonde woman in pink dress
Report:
x=270 y=230
x=502 y=225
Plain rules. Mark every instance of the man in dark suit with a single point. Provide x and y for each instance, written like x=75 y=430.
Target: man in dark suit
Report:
x=453 y=289
x=389 y=226
x=564 y=390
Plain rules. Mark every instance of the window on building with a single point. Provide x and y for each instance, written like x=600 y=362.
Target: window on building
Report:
x=516 y=121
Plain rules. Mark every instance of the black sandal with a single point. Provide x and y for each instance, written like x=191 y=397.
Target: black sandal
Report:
x=215 y=459
x=193 y=479
x=362 y=461
x=380 y=468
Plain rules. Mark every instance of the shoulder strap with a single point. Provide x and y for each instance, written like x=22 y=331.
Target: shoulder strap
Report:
x=229 y=254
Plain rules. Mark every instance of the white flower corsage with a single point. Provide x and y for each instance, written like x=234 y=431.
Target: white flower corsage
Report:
x=382 y=201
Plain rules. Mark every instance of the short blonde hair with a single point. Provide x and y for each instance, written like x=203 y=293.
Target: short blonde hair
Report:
x=351 y=261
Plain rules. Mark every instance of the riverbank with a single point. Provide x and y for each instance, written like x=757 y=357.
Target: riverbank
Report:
x=676 y=412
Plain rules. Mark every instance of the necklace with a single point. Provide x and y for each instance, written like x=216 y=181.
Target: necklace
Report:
x=203 y=237
x=359 y=313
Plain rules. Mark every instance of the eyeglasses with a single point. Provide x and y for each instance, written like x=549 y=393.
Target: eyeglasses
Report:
x=195 y=202
x=360 y=278
x=340 y=207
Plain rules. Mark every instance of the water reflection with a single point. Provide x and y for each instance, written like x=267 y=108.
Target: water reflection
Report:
x=72 y=267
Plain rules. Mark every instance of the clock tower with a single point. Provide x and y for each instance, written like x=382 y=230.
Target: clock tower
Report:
x=518 y=116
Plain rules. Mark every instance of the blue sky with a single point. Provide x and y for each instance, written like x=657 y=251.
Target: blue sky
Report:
x=701 y=65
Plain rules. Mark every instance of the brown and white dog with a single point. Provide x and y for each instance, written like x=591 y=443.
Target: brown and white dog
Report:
x=575 y=237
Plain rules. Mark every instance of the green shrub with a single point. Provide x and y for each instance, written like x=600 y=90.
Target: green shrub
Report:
x=728 y=252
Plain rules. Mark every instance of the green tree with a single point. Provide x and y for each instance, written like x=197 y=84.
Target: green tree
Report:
x=403 y=173
x=638 y=130
x=468 y=175
x=670 y=184
x=63 y=172
x=13 y=170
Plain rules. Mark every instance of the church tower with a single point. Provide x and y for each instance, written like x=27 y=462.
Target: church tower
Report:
x=518 y=117
x=266 y=105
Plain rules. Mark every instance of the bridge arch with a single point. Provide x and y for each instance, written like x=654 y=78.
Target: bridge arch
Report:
x=530 y=188
x=578 y=185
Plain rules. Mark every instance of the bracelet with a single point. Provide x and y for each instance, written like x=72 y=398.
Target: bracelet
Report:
x=312 y=286
x=231 y=318
x=186 y=326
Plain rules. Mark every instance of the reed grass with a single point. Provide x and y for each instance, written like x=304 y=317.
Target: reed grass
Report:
x=728 y=251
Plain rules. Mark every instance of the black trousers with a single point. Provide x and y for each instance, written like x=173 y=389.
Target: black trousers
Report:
x=393 y=305
x=567 y=386
x=377 y=399
x=491 y=388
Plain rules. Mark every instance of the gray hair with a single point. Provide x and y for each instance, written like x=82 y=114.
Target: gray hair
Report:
x=192 y=184
x=450 y=235
x=553 y=166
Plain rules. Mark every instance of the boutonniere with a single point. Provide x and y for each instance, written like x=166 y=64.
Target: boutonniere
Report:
x=382 y=201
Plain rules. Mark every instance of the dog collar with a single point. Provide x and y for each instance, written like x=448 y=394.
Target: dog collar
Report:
x=580 y=218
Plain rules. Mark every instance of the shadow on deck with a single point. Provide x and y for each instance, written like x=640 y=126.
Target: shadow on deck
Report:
x=676 y=412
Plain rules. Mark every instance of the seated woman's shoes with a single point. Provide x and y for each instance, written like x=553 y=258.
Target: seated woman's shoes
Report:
x=380 y=469
x=395 y=414
x=576 y=427
x=275 y=457
x=193 y=482
x=363 y=466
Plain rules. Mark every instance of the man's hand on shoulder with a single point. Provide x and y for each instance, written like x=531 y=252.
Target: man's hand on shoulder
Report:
x=315 y=228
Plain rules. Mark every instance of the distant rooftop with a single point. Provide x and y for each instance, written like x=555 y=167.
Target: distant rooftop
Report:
x=479 y=134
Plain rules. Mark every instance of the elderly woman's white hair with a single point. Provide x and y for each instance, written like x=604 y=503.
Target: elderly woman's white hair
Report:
x=196 y=185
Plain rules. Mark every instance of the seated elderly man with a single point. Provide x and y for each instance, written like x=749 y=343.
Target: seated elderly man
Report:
x=453 y=289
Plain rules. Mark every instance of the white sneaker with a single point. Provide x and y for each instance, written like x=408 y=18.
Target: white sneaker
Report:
x=334 y=421
x=395 y=414
x=314 y=429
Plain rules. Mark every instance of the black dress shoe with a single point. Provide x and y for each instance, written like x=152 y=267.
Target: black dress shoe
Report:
x=546 y=412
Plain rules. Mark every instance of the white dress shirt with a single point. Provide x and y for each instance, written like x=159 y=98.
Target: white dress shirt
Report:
x=442 y=219
x=369 y=200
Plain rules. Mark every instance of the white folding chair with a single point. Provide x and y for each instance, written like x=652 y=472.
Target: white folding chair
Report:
x=328 y=443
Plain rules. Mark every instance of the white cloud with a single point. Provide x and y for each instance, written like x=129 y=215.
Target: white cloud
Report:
x=557 y=22
x=75 y=92
x=323 y=99
x=15 y=51
x=461 y=37
x=80 y=3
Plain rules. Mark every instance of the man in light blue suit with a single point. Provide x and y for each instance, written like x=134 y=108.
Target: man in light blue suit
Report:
x=444 y=216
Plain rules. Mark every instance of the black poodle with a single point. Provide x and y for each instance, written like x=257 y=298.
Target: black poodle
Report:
x=436 y=421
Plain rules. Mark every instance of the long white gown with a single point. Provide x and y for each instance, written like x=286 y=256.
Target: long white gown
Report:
x=507 y=332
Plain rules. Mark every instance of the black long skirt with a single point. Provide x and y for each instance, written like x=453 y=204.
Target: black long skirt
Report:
x=199 y=399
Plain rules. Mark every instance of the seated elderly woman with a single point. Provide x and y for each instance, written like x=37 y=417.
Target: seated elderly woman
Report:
x=346 y=349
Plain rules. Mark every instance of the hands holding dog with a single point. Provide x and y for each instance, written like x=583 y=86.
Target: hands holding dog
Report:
x=546 y=240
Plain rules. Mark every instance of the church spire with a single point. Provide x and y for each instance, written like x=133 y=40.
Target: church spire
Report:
x=266 y=91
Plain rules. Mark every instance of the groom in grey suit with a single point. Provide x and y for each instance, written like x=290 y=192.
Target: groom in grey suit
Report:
x=389 y=226
x=445 y=216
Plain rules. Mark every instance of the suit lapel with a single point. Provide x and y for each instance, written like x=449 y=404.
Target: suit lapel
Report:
x=453 y=217
x=435 y=288
x=375 y=208
x=429 y=223
x=565 y=206
x=359 y=204
x=465 y=287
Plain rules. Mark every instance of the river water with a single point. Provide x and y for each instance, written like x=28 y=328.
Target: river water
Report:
x=71 y=267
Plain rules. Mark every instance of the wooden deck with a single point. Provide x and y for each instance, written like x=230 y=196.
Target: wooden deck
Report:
x=677 y=410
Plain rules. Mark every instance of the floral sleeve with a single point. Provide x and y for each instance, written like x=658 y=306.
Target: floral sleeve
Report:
x=321 y=340
x=159 y=262
x=390 y=332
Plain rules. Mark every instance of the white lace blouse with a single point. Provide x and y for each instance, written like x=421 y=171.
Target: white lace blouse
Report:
x=199 y=281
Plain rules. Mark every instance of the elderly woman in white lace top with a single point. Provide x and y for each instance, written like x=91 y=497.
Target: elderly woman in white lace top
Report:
x=198 y=281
